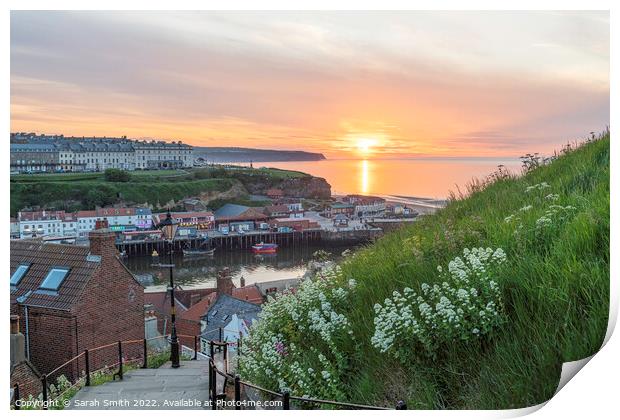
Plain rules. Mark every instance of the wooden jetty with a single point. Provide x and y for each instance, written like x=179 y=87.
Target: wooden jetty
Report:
x=245 y=241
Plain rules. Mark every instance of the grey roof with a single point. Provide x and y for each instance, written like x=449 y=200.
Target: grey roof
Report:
x=41 y=257
x=221 y=311
x=17 y=147
x=230 y=210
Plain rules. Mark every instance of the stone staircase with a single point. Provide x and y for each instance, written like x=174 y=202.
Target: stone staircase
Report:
x=186 y=387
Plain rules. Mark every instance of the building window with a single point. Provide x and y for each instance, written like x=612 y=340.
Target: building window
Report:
x=19 y=274
x=54 y=279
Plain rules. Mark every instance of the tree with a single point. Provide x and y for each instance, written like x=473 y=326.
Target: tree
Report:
x=116 y=175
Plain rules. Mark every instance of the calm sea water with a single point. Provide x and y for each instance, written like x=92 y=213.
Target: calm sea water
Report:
x=430 y=178
x=201 y=272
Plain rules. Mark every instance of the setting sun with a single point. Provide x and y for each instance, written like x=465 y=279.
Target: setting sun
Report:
x=365 y=145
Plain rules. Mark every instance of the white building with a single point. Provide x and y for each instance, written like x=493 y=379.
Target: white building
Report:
x=47 y=223
x=51 y=153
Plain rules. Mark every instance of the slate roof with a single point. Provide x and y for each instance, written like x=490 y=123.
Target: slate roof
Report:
x=230 y=210
x=238 y=212
x=44 y=256
x=221 y=311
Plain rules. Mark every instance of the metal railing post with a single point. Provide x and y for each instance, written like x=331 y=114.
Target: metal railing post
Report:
x=286 y=400
x=44 y=390
x=214 y=387
x=211 y=382
x=237 y=392
x=16 y=397
x=225 y=358
x=87 y=366
x=221 y=334
x=145 y=362
x=195 y=347
x=120 y=360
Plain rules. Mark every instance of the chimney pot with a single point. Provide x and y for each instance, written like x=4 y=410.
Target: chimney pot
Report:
x=14 y=324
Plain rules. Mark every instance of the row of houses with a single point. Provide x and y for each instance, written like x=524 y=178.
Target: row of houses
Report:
x=78 y=224
x=231 y=217
x=41 y=153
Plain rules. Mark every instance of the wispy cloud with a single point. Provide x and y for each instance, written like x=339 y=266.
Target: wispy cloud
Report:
x=444 y=83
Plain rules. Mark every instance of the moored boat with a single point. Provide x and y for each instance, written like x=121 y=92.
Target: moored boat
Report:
x=198 y=252
x=263 y=248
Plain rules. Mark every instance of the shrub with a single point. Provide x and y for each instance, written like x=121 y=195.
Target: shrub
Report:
x=466 y=305
x=314 y=314
x=116 y=175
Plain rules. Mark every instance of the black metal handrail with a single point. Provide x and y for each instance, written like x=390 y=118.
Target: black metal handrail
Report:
x=285 y=395
x=17 y=387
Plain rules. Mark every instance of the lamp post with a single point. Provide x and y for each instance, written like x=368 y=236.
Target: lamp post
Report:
x=168 y=229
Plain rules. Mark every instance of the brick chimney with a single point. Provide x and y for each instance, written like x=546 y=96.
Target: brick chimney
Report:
x=18 y=342
x=242 y=281
x=102 y=240
x=224 y=282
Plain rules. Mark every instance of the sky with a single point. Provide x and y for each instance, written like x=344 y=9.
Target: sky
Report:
x=346 y=84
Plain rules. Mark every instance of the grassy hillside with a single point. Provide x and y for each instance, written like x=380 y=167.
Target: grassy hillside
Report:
x=489 y=330
x=75 y=191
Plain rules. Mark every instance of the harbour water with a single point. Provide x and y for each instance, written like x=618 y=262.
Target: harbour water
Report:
x=200 y=272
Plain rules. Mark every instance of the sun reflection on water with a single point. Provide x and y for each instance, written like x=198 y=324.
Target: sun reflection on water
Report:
x=364 y=177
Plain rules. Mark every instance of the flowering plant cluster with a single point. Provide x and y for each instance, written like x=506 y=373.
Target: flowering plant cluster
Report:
x=467 y=304
x=314 y=314
x=553 y=214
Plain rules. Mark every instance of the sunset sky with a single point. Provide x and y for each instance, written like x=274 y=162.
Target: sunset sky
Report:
x=347 y=84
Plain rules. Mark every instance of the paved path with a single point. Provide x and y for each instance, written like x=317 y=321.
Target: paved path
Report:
x=146 y=389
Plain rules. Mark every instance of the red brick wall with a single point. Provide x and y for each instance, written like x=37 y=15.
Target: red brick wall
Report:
x=29 y=382
x=111 y=309
x=186 y=327
x=51 y=336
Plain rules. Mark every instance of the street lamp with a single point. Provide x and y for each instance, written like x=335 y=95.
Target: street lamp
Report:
x=168 y=229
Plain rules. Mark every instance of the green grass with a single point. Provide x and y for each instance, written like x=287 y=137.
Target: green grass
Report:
x=556 y=290
x=554 y=285
x=85 y=191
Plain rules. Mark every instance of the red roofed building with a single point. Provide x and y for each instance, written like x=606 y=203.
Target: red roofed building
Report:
x=274 y=193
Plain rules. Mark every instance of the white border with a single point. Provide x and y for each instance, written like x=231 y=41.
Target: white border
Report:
x=592 y=394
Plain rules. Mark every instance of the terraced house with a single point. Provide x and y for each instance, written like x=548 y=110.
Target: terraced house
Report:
x=70 y=298
x=41 y=153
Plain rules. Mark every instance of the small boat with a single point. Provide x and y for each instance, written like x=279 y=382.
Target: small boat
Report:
x=263 y=248
x=198 y=252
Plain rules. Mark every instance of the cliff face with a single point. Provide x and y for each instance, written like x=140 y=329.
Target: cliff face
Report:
x=304 y=187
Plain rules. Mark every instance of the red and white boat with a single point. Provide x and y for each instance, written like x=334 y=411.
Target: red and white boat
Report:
x=263 y=248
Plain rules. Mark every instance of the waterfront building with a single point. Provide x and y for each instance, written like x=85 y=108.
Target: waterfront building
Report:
x=294 y=224
x=71 y=298
x=235 y=216
x=366 y=205
x=46 y=223
x=197 y=219
x=340 y=208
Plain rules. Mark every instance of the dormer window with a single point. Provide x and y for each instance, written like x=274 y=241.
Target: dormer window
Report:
x=19 y=273
x=54 y=279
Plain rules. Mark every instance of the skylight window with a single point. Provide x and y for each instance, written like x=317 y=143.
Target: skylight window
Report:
x=19 y=274
x=54 y=279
